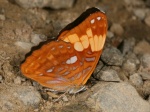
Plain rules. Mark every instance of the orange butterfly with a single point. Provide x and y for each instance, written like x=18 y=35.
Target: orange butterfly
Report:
x=68 y=62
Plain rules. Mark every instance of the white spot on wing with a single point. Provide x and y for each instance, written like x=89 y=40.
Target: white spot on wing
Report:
x=98 y=18
x=53 y=48
x=60 y=46
x=86 y=70
x=72 y=60
x=68 y=47
x=90 y=59
x=60 y=69
x=92 y=21
x=66 y=73
x=50 y=70
x=40 y=74
x=77 y=76
x=68 y=61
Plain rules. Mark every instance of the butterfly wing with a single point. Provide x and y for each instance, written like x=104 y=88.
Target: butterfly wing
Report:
x=53 y=65
x=88 y=39
x=69 y=61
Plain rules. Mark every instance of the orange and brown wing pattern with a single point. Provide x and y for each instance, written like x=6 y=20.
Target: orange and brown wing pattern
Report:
x=69 y=62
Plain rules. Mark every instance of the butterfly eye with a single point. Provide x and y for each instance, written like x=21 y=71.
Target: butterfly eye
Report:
x=68 y=62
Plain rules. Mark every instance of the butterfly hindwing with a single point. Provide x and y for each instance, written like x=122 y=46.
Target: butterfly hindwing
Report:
x=56 y=66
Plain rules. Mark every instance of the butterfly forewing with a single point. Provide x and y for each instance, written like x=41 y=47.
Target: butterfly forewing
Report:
x=69 y=61
x=89 y=37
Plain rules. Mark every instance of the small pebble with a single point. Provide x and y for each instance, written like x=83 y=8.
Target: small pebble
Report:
x=147 y=20
x=56 y=4
x=53 y=95
x=24 y=45
x=146 y=88
x=140 y=13
x=2 y=17
x=36 y=110
x=108 y=75
x=112 y=56
x=136 y=79
x=110 y=34
x=28 y=95
x=145 y=61
x=131 y=63
x=142 y=47
x=127 y=46
x=98 y=67
x=134 y=2
x=37 y=38
x=44 y=95
x=17 y=80
x=65 y=99
x=145 y=75
x=117 y=29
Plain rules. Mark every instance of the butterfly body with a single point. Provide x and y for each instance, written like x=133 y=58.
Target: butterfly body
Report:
x=69 y=61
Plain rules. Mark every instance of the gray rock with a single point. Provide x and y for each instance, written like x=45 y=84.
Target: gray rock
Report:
x=146 y=88
x=131 y=63
x=116 y=97
x=110 y=34
x=127 y=46
x=28 y=96
x=145 y=61
x=123 y=75
x=98 y=67
x=142 y=47
x=140 y=13
x=145 y=75
x=134 y=2
x=136 y=80
x=112 y=56
x=17 y=80
x=117 y=29
x=37 y=38
x=65 y=99
x=147 y=20
x=107 y=75
x=56 y=4
x=24 y=45
x=19 y=98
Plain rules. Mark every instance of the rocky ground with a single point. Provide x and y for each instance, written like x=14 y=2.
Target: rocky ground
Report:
x=121 y=80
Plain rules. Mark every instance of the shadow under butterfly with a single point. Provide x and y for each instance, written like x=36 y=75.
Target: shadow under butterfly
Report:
x=65 y=64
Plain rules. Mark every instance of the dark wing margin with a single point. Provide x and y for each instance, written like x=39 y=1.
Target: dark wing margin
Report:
x=80 y=19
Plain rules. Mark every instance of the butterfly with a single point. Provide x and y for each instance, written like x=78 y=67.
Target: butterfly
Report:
x=68 y=61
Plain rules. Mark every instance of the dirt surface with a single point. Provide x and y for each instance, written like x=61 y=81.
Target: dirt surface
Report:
x=18 y=26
